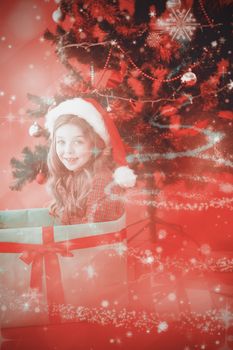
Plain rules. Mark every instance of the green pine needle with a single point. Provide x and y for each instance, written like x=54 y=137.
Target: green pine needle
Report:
x=25 y=170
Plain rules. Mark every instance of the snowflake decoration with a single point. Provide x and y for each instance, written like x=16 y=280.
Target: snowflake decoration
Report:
x=230 y=85
x=152 y=13
x=153 y=39
x=180 y=24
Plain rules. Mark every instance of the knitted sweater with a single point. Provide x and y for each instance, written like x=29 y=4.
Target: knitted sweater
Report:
x=100 y=206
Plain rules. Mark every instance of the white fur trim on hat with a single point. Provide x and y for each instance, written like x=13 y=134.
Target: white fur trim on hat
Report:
x=124 y=176
x=82 y=109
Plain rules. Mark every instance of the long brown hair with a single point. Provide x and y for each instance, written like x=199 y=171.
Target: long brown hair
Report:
x=70 y=189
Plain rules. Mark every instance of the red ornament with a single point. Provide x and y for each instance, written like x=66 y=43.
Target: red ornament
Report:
x=40 y=178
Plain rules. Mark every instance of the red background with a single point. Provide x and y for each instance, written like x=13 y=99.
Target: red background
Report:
x=29 y=65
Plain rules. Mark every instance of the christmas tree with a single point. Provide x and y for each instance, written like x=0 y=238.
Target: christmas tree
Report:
x=161 y=70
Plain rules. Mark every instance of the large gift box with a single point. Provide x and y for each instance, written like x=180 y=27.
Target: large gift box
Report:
x=49 y=272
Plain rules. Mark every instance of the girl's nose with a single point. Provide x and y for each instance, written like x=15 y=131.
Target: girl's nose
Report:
x=68 y=148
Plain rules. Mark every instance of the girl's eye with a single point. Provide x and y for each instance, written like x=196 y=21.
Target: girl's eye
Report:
x=60 y=142
x=78 y=142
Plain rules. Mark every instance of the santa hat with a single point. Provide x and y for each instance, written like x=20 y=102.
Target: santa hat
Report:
x=97 y=117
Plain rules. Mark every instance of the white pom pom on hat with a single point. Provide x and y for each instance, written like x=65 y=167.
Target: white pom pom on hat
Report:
x=96 y=116
x=124 y=176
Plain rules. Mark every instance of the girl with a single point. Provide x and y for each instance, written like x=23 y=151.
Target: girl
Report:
x=85 y=148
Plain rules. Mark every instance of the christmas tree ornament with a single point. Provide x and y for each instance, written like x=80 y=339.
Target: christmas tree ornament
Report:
x=40 y=178
x=57 y=15
x=189 y=78
x=108 y=108
x=92 y=73
x=100 y=18
x=180 y=24
x=173 y=4
x=153 y=39
x=35 y=130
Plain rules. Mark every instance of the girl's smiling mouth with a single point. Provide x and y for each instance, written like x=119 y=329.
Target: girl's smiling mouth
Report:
x=71 y=160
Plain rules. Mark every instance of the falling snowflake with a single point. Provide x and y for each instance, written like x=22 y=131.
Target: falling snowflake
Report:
x=180 y=24
x=226 y=316
x=10 y=118
x=90 y=270
x=120 y=249
x=226 y=187
x=162 y=234
x=105 y=303
x=32 y=296
x=162 y=327
x=230 y=85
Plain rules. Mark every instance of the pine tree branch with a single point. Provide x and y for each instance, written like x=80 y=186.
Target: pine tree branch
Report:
x=26 y=170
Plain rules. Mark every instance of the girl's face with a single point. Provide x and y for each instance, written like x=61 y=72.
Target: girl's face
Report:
x=73 y=148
